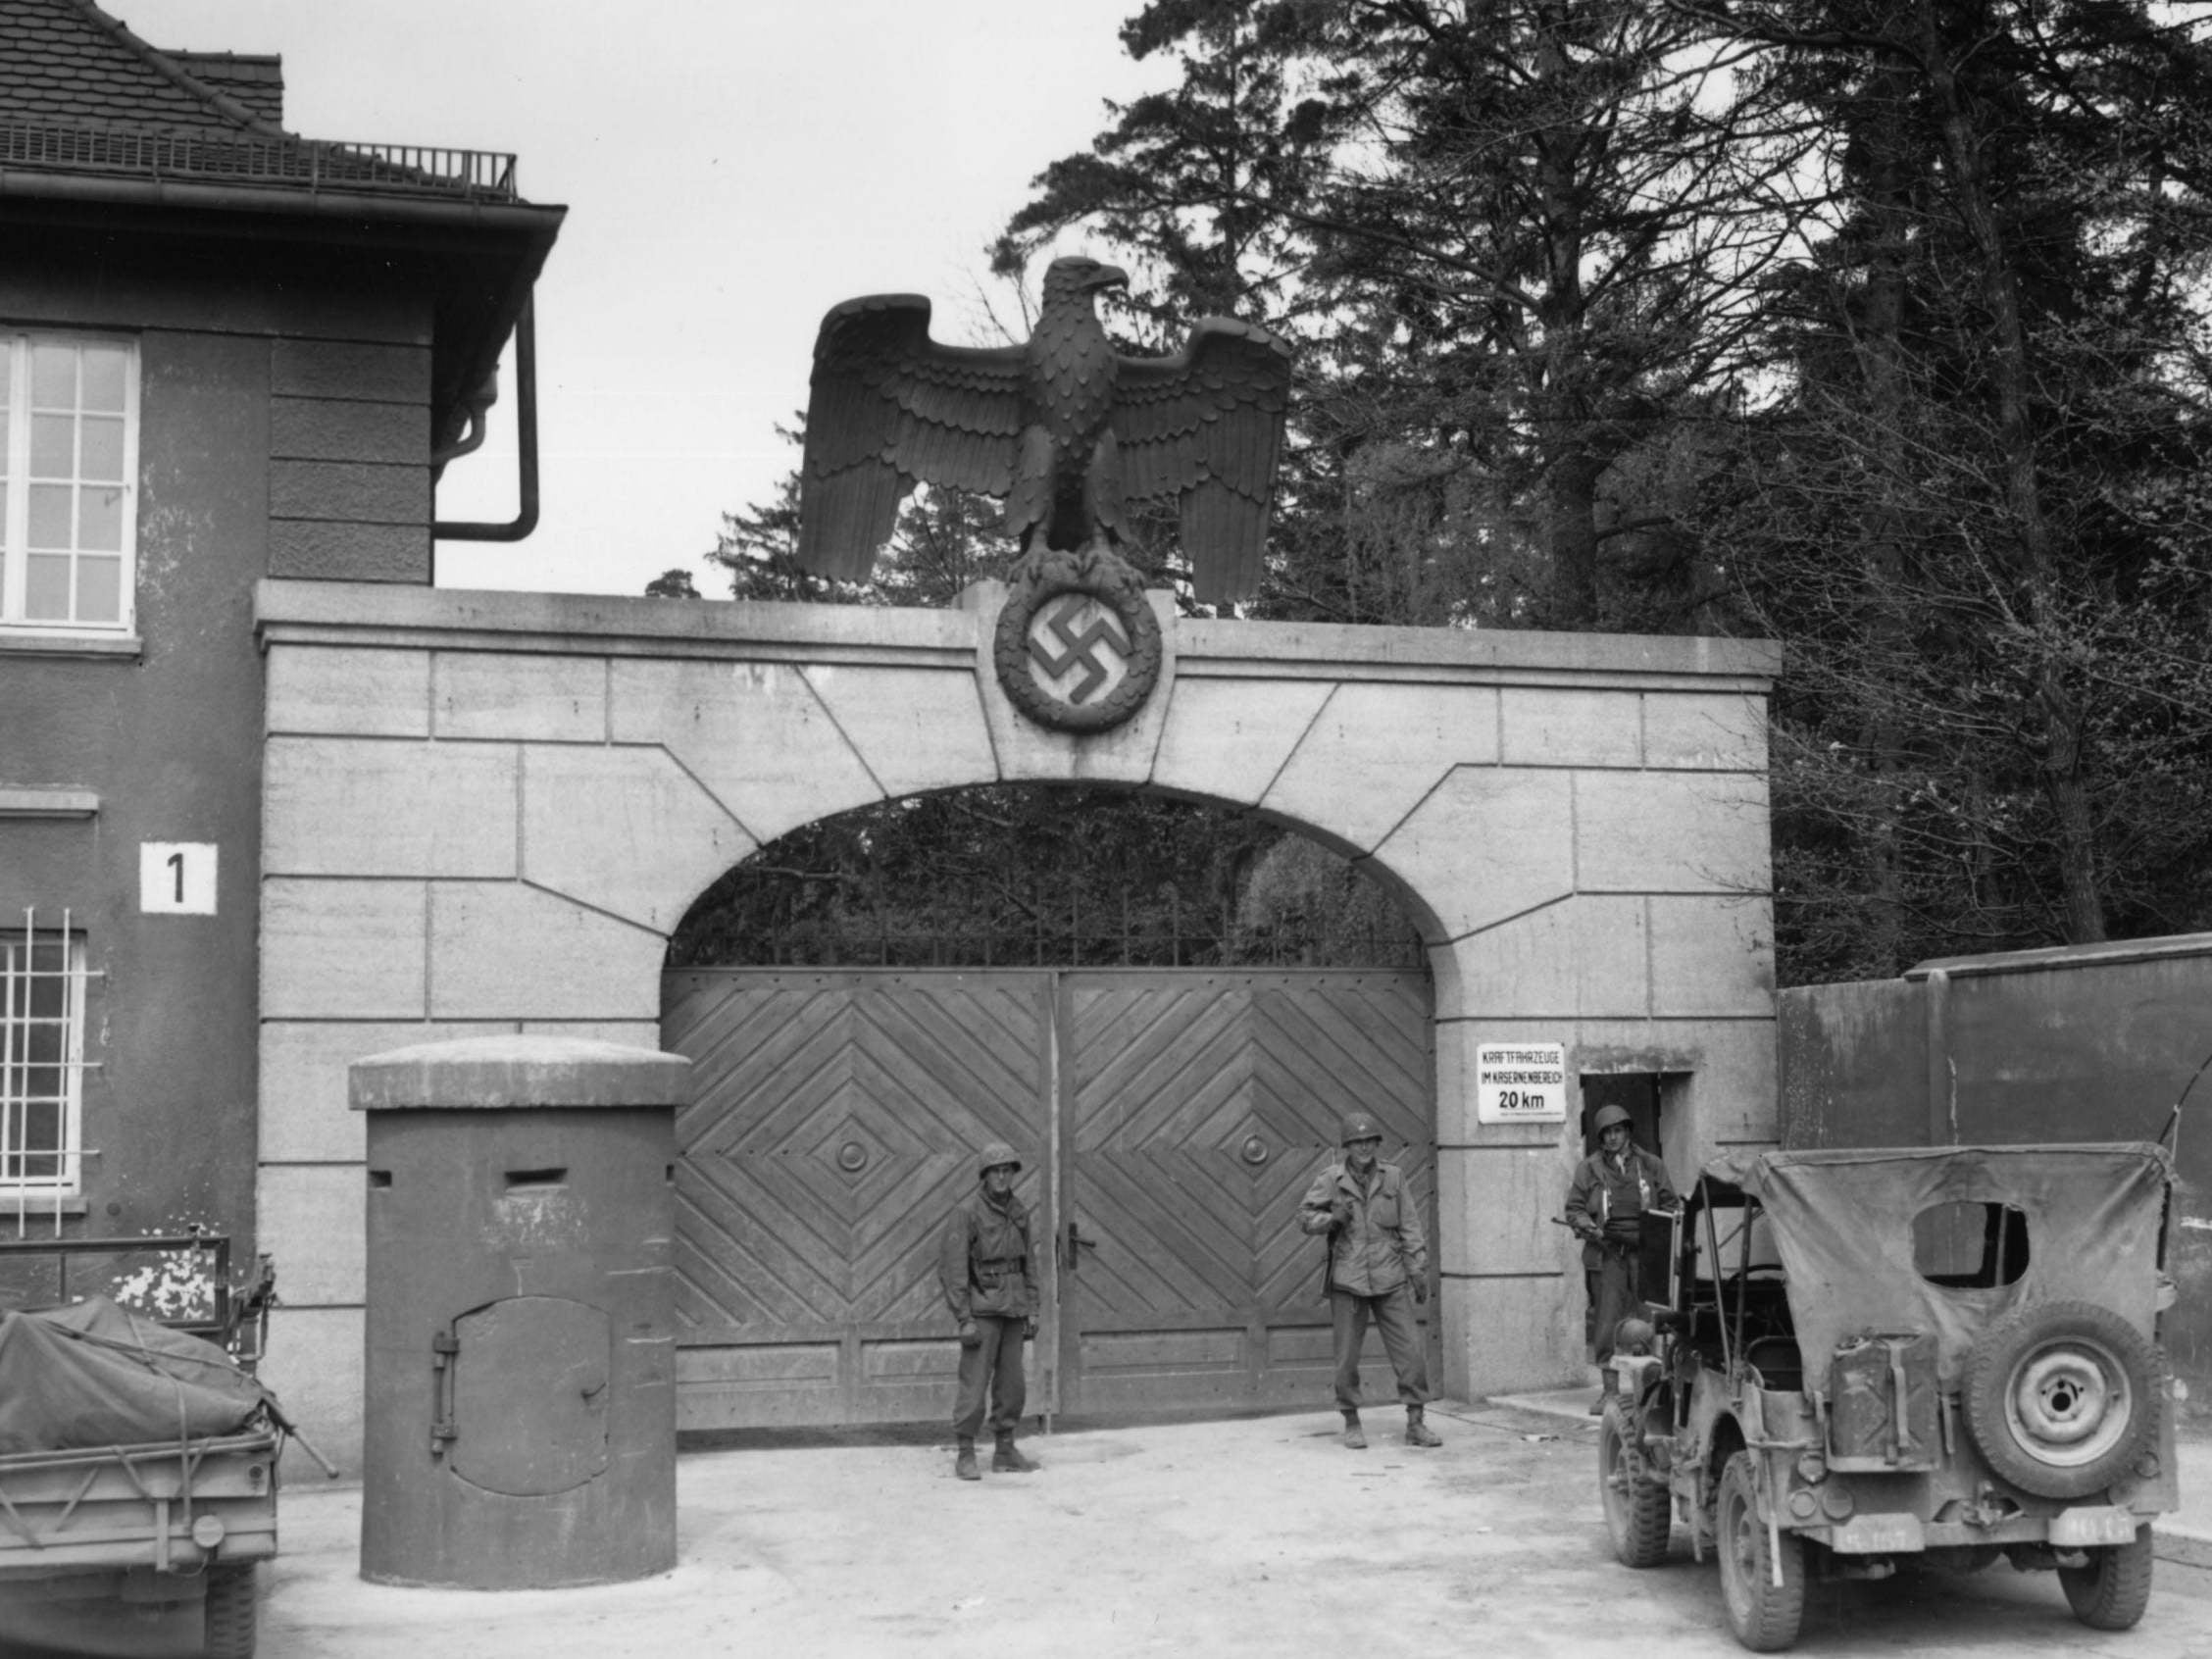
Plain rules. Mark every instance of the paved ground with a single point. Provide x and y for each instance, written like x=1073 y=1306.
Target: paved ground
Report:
x=1254 y=1537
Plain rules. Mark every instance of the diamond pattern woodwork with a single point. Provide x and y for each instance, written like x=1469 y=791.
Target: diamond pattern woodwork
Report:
x=837 y=1123
x=1202 y=1108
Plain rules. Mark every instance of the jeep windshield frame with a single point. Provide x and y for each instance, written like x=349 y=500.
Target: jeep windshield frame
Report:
x=1701 y=1241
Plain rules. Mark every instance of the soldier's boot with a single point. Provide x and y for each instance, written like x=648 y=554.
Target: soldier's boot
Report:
x=1006 y=1460
x=963 y=1465
x=1353 y=1436
x=1418 y=1432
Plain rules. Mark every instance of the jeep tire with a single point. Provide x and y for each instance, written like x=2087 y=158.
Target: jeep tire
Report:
x=1636 y=1508
x=2111 y=1593
x=2063 y=1398
x=1763 y=1614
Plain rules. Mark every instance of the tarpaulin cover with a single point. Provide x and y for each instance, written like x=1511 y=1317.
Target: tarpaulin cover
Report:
x=93 y=1374
x=1843 y=1220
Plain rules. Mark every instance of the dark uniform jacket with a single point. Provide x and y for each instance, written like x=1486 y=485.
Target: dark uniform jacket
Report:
x=1381 y=1246
x=1604 y=1191
x=984 y=1260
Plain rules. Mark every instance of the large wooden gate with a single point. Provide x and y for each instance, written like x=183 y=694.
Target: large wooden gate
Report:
x=1168 y=1119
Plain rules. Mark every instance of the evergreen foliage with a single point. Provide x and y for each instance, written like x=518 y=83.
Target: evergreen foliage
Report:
x=1879 y=327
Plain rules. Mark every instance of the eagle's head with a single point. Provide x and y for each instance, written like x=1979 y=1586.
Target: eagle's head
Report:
x=1076 y=278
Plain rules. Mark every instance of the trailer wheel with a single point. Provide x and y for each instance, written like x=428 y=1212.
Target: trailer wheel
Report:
x=1635 y=1508
x=2063 y=1398
x=1763 y=1613
x=230 y=1612
x=2111 y=1593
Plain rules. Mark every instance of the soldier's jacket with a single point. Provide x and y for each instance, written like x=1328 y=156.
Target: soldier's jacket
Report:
x=984 y=1258
x=1381 y=1246
x=1604 y=1192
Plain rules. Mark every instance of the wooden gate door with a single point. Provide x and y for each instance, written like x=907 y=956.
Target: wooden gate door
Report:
x=1170 y=1118
x=836 y=1122
x=1197 y=1108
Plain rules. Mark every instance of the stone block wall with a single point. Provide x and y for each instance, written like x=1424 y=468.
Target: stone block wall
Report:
x=487 y=813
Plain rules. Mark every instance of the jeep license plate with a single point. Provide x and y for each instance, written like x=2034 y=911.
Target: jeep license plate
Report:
x=1879 y=1534
x=2093 y=1524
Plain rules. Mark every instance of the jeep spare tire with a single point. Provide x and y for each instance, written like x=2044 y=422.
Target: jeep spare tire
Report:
x=2062 y=1398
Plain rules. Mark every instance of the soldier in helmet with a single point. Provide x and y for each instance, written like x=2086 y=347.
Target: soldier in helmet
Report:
x=1612 y=1189
x=989 y=1275
x=1377 y=1269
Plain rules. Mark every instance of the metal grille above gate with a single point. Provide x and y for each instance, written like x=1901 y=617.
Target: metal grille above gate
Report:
x=1169 y=1120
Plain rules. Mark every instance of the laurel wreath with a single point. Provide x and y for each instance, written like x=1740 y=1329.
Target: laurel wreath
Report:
x=1101 y=574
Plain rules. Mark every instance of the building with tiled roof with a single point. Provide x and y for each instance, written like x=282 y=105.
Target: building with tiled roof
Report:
x=67 y=61
x=227 y=353
x=96 y=125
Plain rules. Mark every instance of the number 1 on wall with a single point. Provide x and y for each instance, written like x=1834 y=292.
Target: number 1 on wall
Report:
x=177 y=877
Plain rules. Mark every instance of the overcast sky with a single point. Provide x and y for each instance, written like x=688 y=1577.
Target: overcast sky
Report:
x=732 y=170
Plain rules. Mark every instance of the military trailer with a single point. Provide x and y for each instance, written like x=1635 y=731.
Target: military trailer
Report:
x=1872 y=1356
x=138 y=1457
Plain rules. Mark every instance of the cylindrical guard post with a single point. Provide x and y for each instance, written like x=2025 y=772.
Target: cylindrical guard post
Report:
x=519 y=1410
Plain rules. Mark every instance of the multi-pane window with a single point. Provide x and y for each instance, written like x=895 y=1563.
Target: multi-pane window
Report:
x=68 y=466
x=41 y=1064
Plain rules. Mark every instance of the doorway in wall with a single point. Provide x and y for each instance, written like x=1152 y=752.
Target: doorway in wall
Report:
x=1638 y=1093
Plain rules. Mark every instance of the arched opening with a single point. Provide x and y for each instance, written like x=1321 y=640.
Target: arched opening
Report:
x=1032 y=875
x=1165 y=1006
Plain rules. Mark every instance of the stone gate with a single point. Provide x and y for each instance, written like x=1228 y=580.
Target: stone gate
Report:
x=487 y=812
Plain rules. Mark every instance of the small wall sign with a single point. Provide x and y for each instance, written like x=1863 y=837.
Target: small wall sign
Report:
x=177 y=877
x=1521 y=1082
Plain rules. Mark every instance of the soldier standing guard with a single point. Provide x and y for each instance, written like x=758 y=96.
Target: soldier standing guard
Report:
x=989 y=1271
x=1606 y=1201
x=1377 y=1269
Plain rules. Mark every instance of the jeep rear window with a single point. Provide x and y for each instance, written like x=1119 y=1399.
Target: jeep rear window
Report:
x=1970 y=1245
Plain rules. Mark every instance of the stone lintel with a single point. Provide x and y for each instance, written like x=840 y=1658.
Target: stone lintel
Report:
x=1358 y=651
x=513 y=1072
x=330 y=612
x=598 y=624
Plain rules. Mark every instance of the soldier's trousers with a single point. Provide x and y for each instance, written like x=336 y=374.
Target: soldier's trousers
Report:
x=992 y=1366
x=1393 y=1313
x=1614 y=1295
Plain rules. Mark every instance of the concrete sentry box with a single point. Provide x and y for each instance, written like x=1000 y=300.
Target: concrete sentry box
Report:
x=520 y=1400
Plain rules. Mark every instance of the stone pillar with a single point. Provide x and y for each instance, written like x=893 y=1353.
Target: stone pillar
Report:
x=520 y=1395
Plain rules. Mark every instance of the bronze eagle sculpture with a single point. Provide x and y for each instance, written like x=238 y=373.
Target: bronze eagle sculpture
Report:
x=1062 y=426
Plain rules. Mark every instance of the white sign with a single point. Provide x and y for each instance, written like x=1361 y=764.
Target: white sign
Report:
x=177 y=877
x=1521 y=1082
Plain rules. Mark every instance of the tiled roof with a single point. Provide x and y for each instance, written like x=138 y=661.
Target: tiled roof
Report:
x=67 y=61
x=256 y=82
x=81 y=94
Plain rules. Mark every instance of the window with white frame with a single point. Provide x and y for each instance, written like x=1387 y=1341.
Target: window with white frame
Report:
x=41 y=1064
x=68 y=471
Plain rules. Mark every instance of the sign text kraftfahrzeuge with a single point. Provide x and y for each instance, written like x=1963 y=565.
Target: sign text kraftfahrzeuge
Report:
x=1520 y=1082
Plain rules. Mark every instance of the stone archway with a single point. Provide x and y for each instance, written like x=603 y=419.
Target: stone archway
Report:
x=486 y=812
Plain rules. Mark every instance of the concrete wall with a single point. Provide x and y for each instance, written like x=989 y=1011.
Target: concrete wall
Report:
x=251 y=388
x=487 y=812
x=2092 y=1043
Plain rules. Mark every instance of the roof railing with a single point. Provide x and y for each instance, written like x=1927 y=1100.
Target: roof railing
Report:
x=291 y=164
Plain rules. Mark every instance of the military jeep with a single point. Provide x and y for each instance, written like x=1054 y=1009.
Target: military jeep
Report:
x=1874 y=1357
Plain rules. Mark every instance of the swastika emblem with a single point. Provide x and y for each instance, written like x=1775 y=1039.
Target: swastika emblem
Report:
x=1076 y=646
x=1079 y=650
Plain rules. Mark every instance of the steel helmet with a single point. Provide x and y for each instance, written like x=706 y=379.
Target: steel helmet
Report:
x=1607 y=1117
x=1359 y=1126
x=996 y=1154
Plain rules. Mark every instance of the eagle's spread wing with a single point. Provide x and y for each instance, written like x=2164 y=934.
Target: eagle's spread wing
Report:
x=1206 y=426
x=889 y=408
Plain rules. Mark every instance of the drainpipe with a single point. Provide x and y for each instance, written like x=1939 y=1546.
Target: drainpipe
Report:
x=526 y=415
